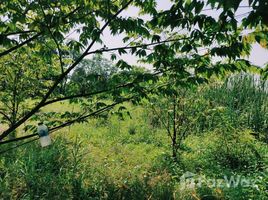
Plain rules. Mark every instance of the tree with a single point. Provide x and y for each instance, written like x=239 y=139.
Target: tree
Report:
x=44 y=19
x=22 y=84
x=173 y=104
x=46 y=25
x=92 y=74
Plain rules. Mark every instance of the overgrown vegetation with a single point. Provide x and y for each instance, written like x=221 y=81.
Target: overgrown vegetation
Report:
x=130 y=156
x=193 y=125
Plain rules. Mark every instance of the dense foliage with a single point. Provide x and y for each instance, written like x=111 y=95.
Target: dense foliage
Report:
x=182 y=40
x=131 y=157
x=201 y=108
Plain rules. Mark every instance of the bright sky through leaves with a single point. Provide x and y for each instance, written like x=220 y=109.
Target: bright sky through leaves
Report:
x=258 y=56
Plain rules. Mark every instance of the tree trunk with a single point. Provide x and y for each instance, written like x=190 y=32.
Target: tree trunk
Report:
x=174 y=138
x=174 y=151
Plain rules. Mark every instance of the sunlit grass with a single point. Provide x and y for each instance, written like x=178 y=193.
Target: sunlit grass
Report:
x=111 y=158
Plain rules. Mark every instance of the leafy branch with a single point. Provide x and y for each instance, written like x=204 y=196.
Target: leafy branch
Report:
x=62 y=76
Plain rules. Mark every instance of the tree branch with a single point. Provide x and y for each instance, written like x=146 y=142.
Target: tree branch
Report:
x=54 y=39
x=68 y=123
x=62 y=76
x=6 y=116
x=137 y=46
x=17 y=33
x=86 y=94
x=33 y=37
x=88 y=115
x=20 y=44
x=100 y=91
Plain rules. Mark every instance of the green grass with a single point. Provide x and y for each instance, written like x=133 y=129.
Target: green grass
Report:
x=131 y=159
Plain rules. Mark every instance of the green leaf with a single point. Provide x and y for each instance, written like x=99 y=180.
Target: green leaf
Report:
x=186 y=48
x=121 y=51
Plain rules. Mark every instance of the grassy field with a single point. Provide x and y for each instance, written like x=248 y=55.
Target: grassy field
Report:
x=131 y=159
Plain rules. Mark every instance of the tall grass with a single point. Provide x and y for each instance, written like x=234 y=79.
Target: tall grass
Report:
x=131 y=158
x=245 y=100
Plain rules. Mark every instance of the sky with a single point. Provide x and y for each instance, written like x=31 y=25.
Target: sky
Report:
x=258 y=56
